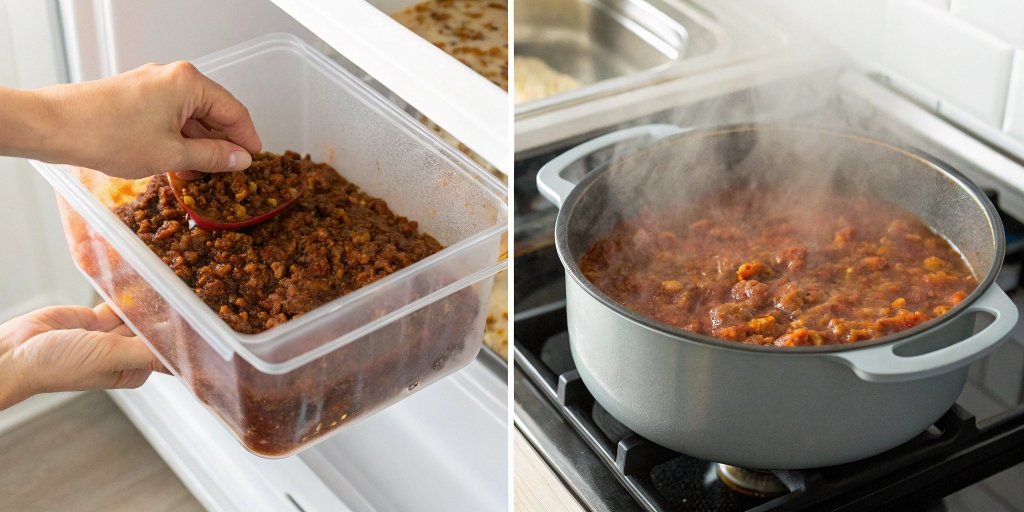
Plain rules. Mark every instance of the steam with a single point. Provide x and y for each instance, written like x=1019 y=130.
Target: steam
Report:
x=793 y=152
x=798 y=146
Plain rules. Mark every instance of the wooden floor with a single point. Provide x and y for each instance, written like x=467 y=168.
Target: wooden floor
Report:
x=86 y=456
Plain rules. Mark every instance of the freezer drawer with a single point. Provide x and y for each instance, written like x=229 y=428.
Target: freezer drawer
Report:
x=442 y=449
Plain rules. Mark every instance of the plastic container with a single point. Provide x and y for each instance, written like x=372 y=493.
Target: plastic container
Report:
x=287 y=387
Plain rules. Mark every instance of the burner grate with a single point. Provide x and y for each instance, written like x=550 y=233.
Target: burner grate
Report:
x=952 y=454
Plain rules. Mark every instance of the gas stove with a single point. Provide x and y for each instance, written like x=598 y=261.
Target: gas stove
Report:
x=609 y=467
x=958 y=450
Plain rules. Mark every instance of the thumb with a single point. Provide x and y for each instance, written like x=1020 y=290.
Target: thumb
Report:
x=214 y=155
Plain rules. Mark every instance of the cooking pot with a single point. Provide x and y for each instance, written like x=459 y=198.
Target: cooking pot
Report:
x=757 y=406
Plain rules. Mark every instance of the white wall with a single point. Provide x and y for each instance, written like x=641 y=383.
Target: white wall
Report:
x=856 y=26
x=963 y=58
x=36 y=266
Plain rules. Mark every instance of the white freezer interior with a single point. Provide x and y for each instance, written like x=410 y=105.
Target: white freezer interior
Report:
x=105 y=37
x=38 y=268
x=444 y=448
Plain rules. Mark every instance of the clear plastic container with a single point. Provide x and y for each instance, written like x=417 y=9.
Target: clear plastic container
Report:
x=287 y=387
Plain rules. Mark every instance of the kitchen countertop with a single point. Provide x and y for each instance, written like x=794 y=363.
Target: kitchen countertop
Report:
x=537 y=488
x=85 y=456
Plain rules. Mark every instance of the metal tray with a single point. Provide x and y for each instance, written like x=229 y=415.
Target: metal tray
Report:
x=599 y=41
x=635 y=58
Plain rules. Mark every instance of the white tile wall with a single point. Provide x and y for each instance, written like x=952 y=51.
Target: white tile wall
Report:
x=856 y=26
x=959 y=56
x=1001 y=18
x=959 y=62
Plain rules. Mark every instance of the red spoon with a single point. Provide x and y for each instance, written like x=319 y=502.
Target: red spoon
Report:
x=177 y=184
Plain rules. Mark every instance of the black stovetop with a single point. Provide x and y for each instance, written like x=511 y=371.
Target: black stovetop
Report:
x=957 y=451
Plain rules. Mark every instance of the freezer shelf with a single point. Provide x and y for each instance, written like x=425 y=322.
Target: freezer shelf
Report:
x=446 y=452
x=465 y=104
x=442 y=449
x=218 y=471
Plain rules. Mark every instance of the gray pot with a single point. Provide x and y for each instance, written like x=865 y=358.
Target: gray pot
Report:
x=767 y=407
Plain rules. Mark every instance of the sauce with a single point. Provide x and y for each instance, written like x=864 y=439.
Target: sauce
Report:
x=741 y=266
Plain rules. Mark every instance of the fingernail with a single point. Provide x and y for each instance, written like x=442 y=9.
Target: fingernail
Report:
x=188 y=175
x=239 y=160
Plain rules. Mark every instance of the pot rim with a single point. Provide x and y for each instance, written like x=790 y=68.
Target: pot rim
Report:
x=572 y=267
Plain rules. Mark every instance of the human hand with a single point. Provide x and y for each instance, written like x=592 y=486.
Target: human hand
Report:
x=70 y=348
x=154 y=119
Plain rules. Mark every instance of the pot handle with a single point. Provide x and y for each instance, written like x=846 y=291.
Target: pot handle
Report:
x=882 y=364
x=556 y=188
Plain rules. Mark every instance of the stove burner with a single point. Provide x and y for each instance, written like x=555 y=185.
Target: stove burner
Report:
x=753 y=482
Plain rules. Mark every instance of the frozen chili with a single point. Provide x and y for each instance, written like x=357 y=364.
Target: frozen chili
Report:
x=334 y=240
x=237 y=196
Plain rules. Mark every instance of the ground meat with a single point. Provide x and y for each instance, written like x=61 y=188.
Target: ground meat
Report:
x=237 y=196
x=743 y=267
x=333 y=240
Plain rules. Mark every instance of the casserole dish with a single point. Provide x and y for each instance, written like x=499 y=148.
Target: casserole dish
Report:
x=767 y=407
